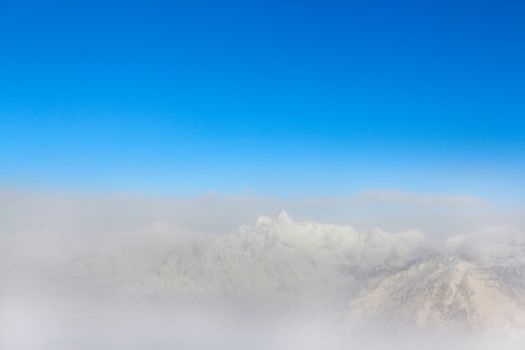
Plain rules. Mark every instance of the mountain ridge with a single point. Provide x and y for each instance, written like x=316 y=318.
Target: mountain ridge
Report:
x=362 y=275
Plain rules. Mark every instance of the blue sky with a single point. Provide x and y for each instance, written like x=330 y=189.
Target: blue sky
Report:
x=284 y=97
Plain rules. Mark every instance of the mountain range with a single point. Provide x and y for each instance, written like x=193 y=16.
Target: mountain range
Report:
x=473 y=281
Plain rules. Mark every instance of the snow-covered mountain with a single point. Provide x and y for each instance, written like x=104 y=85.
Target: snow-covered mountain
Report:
x=443 y=291
x=274 y=256
x=474 y=280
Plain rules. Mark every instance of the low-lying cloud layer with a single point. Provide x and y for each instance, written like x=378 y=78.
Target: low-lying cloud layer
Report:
x=435 y=214
x=211 y=272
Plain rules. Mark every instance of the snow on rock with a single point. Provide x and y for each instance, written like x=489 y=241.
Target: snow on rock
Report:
x=442 y=291
x=477 y=281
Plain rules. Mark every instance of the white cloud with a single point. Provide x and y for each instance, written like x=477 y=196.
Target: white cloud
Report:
x=419 y=199
x=45 y=238
x=435 y=214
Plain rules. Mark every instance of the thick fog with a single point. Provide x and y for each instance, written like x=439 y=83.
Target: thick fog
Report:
x=86 y=271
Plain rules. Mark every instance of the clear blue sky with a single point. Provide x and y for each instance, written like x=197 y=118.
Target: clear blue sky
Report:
x=284 y=97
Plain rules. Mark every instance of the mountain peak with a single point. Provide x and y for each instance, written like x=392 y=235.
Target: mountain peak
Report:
x=283 y=217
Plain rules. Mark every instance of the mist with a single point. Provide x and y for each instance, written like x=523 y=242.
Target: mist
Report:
x=135 y=272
